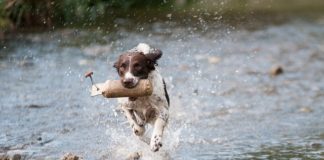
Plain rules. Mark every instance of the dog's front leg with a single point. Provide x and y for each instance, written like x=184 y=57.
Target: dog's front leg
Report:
x=137 y=130
x=156 y=139
x=139 y=120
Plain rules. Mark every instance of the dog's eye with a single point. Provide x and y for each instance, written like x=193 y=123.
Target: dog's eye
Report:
x=123 y=65
x=137 y=66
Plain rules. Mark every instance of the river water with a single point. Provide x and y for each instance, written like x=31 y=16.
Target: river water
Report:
x=224 y=102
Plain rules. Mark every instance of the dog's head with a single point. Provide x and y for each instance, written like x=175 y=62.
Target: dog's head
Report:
x=133 y=66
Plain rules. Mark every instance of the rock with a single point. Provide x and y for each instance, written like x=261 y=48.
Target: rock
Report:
x=16 y=157
x=276 y=70
x=65 y=130
x=213 y=59
x=305 y=110
x=4 y=157
x=316 y=145
x=16 y=154
x=39 y=138
x=36 y=106
x=196 y=92
x=134 y=156
x=70 y=156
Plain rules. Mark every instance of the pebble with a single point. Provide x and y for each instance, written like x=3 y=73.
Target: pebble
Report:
x=70 y=156
x=213 y=60
x=196 y=92
x=305 y=110
x=4 y=157
x=134 y=156
x=16 y=157
x=36 y=106
x=276 y=70
x=316 y=145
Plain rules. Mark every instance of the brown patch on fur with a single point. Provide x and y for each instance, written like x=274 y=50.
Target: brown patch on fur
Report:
x=138 y=64
x=149 y=114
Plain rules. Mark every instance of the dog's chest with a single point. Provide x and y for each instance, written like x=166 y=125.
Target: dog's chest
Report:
x=148 y=108
x=142 y=103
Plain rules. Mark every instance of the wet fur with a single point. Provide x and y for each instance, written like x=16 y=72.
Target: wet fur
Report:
x=150 y=109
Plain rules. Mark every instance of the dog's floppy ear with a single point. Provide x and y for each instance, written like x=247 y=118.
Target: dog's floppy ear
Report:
x=116 y=64
x=154 y=55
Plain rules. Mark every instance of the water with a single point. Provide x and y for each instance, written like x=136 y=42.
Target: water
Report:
x=224 y=103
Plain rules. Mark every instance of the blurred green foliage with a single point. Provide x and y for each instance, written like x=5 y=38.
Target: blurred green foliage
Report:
x=88 y=10
x=15 y=13
x=4 y=22
x=26 y=13
x=48 y=13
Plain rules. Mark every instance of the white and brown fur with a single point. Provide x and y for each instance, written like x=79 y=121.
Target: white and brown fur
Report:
x=140 y=63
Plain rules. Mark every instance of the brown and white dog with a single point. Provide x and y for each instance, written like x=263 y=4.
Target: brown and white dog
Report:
x=140 y=63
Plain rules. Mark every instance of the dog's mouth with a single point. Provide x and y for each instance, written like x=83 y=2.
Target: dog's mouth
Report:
x=129 y=85
x=130 y=82
x=132 y=98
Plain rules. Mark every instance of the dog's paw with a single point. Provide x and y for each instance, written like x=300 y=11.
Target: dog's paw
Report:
x=141 y=123
x=156 y=143
x=134 y=156
x=138 y=130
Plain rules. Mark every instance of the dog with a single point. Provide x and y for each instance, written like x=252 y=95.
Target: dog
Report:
x=132 y=66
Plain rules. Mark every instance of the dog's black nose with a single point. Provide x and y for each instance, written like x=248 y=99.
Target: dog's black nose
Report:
x=128 y=82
